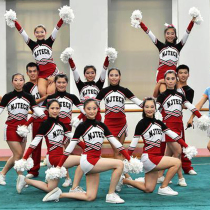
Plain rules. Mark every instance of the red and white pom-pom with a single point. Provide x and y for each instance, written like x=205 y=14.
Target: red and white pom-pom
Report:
x=190 y=152
x=111 y=53
x=66 y=54
x=135 y=17
x=75 y=121
x=29 y=164
x=194 y=12
x=55 y=173
x=203 y=122
x=22 y=130
x=20 y=165
x=10 y=16
x=67 y=14
x=120 y=183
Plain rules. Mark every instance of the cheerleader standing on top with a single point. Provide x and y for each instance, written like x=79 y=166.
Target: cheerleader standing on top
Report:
x=54 y=131
x=171 y=103
x=93 y=133
x=18 y=104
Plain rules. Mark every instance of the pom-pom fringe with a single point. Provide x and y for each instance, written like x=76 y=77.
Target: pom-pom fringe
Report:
x=24 y=165
x=135 y=17
x=66 y=54
x=55 y=173
x=67 y=14
x=111 y=53
x=190 y=152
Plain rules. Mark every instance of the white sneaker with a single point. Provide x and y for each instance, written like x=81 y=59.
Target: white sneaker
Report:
x=161 y=179
x=53 y=195
x=166 y=191
x=182 y=182
x=77 y=189
x=20 y=183
x=2 y=179
x=120 y=183
x=114 y=198
x=67 y=182
x=29 y=176
x=129 y=178
x=43 y=163
x=140 y=179
x=192 y=172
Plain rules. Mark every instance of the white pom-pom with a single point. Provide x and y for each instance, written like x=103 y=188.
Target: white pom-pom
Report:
x=198 y=20
x=29 y=164
x=20 y=165
x=120 y=183
x=75 y=121
x=22 y=131
x=67 y=14
x=194 y=12
x=135 y=17
x=190 y=152
x=66 y=54
x=203 y=122
x=127 y=167
x=133 y=166
x=158 y=116
x=55 y=173
x=111 y=53
x=10 y=16
x=166 y=25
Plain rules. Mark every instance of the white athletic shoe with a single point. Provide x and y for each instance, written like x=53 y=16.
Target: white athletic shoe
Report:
x=120 y=183
x=114 y=198
x=140 y=179
x=77 y=189
x=20 y=183
x=161 y=179
x=2 y=179
x=182 y=182
x=67 y=182
x=192 y=172
x=167 y=191
x=53 y=195
x=29 y=176
x=43 y=163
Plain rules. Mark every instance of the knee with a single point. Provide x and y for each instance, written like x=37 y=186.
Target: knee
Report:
x=17 y=156
x=120 y=165
x=91 y=197
x=178 y=163
x=149 y=190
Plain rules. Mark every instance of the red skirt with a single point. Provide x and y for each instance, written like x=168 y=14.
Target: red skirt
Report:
x=176 y=127
x=53 y=160
x=10 y=134
x=117 y=126
x=48 y=73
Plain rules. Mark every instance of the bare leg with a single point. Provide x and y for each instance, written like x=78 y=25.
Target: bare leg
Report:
x=51 y=88
x=77 y=177
x=42 y=86
x=118 y=155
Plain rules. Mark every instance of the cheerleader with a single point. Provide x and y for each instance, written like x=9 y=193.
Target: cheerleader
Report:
x=114 y=97
x=42 y=53
x=31 y=87
x=168 y=51
x=171 y=102
x=18 y=104
x=53 y=130
x=151 y=131
x=93 y=133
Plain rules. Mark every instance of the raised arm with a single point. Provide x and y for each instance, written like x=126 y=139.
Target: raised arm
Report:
x=56 y=29
x=22 y=32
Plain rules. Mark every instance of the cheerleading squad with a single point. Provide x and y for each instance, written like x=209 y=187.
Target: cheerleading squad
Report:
x=45 y=95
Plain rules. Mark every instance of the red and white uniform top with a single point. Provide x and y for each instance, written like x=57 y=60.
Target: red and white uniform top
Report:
x=89 y=89
x=168 y=52
x=93 y=133
x=114 y=99
x=41 y=49
x=18 y=104
x=171 y=103
x=152 y=132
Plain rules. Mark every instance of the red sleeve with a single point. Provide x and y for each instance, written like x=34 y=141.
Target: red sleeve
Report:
x=125 y=154
x=143 y=26
x=60 y=23
x=62 y=160
x=182 y=143
x=106 y=62
x=17 y=25
x=81 y=144
x=130 y=152
x=28 y=153
x=189 y=28
x=197 y=113
x=71 y=63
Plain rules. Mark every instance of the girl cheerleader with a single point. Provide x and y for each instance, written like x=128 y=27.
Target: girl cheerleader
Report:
x=54 y=131
x=114 y=97
x=18 y=104
x=168 y=51
x=171 y=102
x=93 y=133
x=151 y=131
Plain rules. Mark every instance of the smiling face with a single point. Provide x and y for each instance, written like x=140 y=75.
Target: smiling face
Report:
x=170 y=35
x=90 y=75
x=54 y=110
x=40 y=33
x=183 y=75
x=149 y=108
x=18 y=82
x=32 y=73
x=170 y=80
x=114 y=77
x=61 y=84
x=91 y=110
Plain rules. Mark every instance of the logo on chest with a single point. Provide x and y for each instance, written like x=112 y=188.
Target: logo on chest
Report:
x=57 y=133
x=154 y=132
x=95 y=134
x=172 y=102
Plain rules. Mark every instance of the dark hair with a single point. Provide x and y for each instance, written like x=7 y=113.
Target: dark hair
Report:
x=61 y=76
x=183 y=66
x=114 y=69
x=90 y=67
x=40 y=26
x=52 y=101
x=170 y=72
x=13 y=76
x=144 y=102
x=32 y=64
x=172 y=27
x=90 y=100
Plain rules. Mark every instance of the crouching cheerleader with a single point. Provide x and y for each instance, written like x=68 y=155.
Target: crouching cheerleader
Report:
x=53 y=131
x=93 y=133
x=152 y=131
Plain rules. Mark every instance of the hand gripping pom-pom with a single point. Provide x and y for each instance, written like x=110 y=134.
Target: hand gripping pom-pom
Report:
x=111 y=53
x=133 y=166
x=135 y=17
x=22 y=131
x=194 y=12
x=199 y=20
x=203 y=122
x=158 y=116
x=55 y=173
x=67 y=14
x=29 y=164
x=66 y=54
x=20 y=165
x=10 y=17
x=190 y=152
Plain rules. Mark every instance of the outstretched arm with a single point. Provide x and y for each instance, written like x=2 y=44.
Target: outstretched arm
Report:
x=22 y=32
x=56 y=29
